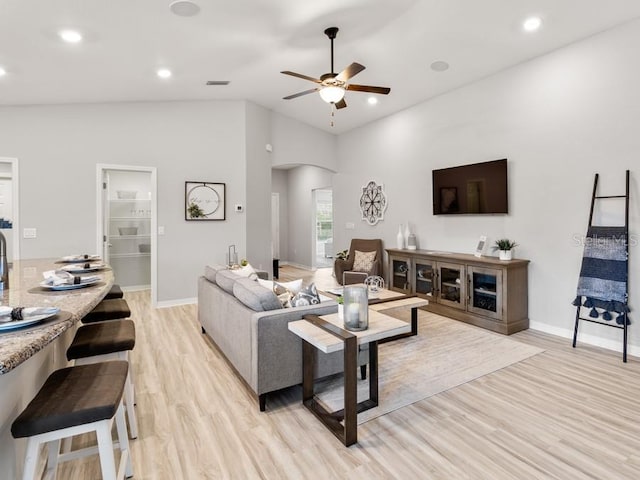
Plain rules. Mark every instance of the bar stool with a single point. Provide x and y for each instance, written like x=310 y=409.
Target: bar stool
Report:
x=113 y=309
x=73 y=401
x=115 y=292
x=104 y=341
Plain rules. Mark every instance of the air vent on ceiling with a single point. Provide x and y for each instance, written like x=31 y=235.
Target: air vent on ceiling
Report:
x=218 y=82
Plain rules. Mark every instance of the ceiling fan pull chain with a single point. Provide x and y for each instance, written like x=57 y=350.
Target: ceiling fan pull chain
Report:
x=333 y=113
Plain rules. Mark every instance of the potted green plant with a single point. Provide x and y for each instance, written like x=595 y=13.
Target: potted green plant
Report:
x=343 y=255
x=505 y=247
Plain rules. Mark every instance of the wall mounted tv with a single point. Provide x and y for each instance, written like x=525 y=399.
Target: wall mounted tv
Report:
x=470 y=189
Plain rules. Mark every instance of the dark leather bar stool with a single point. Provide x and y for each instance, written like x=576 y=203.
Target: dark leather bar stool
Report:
x=115 y=292
x=74 y=401
x=113 y=309
x=104 y=341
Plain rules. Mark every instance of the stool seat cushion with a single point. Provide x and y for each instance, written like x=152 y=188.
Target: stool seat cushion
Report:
x=102 y=338
x=108 y=310
x=73 y=396
x=115 y=292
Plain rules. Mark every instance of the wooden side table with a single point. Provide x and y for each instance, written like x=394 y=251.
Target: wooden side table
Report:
x=327 y=335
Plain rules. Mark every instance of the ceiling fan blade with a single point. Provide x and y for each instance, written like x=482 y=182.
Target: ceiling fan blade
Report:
x=299 y=75
x=299 y=94
x=368 y=88
x=341 y=104
x=351 y=71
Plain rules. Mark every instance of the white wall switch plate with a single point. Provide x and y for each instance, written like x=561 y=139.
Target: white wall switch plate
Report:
x=29 y=233
x=350 y=226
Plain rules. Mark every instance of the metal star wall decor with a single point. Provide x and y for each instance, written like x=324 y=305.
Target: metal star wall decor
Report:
x=373 y=203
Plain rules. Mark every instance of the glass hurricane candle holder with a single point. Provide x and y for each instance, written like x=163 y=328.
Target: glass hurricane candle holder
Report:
x=356 y=308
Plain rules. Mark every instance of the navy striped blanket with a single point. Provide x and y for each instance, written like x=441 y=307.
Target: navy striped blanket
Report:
x=602 y=286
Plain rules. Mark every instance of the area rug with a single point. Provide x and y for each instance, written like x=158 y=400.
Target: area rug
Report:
x=445 y=354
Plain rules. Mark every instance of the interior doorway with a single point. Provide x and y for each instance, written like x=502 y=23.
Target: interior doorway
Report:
x=9 y=211
x=127 y=229
x=323 y=227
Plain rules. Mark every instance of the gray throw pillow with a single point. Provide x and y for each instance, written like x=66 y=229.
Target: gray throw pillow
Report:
x=255 y=296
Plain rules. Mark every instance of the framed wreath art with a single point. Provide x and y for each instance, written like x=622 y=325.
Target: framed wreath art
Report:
x=204 y=201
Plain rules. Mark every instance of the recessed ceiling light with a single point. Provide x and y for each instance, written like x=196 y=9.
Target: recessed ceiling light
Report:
x=439 y=66
x=70 y=36
x=532 y=24
x=184 y=8
x=164 y=73
x=372 y=100
x=3 y=72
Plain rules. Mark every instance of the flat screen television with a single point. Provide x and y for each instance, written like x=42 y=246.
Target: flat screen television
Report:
x=470 y=189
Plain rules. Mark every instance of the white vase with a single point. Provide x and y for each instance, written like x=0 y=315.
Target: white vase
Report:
x=400 y=238
x=340 y=311
x=407 y=232
x=506 y=254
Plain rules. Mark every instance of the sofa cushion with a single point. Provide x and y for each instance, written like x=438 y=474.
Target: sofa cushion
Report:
x=255 y=296
x=210 y=272
x=225 y=280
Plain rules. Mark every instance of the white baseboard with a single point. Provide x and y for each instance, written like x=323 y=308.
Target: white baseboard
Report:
x=135 y=288
x=178 y=302
x=297 y=265
x=616 y=346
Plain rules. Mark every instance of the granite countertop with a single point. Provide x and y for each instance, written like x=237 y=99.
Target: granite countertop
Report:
x=16 y=346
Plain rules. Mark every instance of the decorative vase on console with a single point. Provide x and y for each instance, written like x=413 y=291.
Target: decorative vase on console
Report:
x=400 y=238
x=407 y=232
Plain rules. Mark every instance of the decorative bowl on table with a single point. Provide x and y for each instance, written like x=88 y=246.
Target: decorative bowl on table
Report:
x=128 y=230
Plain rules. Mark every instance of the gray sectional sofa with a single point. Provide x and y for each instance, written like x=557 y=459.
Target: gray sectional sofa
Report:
x=247 y=323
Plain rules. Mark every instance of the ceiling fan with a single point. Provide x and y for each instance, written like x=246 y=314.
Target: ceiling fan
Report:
x=332 y=86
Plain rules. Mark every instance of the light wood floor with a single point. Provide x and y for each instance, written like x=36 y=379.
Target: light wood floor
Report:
x=563 y=414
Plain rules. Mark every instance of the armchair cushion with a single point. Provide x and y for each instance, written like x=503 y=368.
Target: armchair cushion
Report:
x=363 y=261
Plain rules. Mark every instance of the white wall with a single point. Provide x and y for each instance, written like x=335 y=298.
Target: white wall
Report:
x=559 y=119
x=302 y=181
x=258 y=187
x=295 y=143
x=280 y=185
x=59 y=146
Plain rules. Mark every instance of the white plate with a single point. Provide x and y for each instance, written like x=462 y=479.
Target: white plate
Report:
x=79 y=258
x=25 y=322
x=70 y=287
x=77 y=268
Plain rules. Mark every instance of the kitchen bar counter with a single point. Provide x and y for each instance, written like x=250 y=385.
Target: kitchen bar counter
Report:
x=28 y=355
x=16 y=346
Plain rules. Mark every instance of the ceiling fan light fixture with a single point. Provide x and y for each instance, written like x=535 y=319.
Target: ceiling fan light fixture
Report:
x=332 y=94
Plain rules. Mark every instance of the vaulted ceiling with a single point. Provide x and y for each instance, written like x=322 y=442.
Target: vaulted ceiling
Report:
x=248 y=43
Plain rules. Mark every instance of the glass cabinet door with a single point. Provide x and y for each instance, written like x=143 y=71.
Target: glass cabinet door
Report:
x=485 y=292
x=424 y=276
x=451 y=285
x=400 y=274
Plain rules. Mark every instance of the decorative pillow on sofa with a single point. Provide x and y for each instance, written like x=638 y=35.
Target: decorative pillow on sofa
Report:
x=307 y=296
x=363 y=261
x=255 y=296
x=293 y=286
x=246 y=271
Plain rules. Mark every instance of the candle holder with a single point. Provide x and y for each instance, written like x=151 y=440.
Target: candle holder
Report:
x=356 y=308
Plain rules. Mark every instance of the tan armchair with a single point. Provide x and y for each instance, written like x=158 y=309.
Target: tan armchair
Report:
x=343 y=269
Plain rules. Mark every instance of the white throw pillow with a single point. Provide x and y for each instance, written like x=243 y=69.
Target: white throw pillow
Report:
x=293 y=286
x=246 y=271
